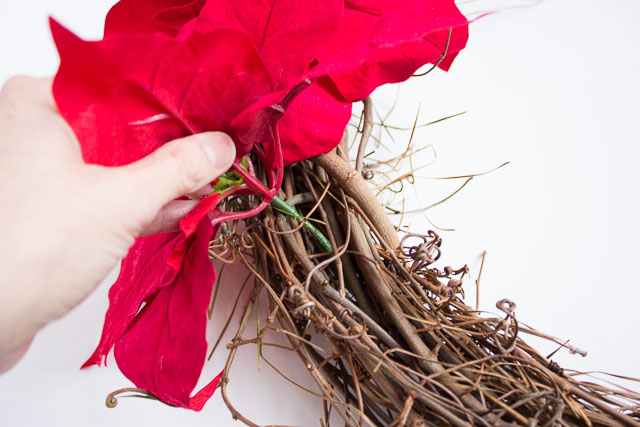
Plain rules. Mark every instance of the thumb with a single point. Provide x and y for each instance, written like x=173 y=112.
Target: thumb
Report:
x=180 y=167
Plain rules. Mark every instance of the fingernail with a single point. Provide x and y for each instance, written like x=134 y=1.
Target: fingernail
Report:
x=219 y=148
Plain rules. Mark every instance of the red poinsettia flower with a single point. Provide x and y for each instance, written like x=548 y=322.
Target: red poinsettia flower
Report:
x=279 y=76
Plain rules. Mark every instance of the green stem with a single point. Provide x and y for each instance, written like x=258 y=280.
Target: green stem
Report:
x=278 y=203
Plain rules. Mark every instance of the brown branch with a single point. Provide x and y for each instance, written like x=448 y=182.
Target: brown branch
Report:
x=366 y=133
x=356 y=187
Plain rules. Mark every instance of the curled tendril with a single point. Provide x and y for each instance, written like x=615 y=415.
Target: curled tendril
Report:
x=506 y=306
x=449 y=271
x=112 y=401
x=367 y=174
x=453 y=286
x=555 y=368
x=343 y=313
x=361 y=330
x=424 y=253
x=303 y=305
x=223 y=249
x=247 y=238
x=508 y=324
x=393 y=190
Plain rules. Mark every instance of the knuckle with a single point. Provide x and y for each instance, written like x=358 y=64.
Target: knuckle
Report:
x=192 y=165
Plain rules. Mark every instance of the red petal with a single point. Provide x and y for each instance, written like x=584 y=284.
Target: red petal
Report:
x=145 y=270
x=313 y=123
x=175 y=18
x=125 y=96
x=152 y=264
x=149 y=16
x=196 y=403
x=189 y=224
x=255 y=124
x=161 y=73
x=164 y=349
x=209 y=78
x=383 y=42
x=287 y=33
x=116 y=121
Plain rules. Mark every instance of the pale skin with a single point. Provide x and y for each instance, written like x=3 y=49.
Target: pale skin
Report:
x=65 y=224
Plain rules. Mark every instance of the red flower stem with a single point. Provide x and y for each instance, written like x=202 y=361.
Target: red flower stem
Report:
x=265 y=161
x=251 y=180
x=241 y=190
x=231 y=216
x=277 y=145
x=250 y=167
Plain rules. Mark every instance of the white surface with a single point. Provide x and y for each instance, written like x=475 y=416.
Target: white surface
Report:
x=553 y=89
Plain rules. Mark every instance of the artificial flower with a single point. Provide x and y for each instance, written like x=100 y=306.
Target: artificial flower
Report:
x=279 y=76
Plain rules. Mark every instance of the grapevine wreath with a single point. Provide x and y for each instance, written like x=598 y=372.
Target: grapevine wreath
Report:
x=380 y=327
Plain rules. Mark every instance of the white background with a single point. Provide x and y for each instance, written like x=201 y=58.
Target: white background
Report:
x=552 y=88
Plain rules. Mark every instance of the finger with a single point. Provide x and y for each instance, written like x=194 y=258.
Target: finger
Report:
x=180 y=167
x=168 y=218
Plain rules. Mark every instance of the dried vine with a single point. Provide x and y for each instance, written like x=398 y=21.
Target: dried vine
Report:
x=382 y=331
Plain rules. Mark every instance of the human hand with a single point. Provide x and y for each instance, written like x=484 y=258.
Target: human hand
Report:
x=65 y=224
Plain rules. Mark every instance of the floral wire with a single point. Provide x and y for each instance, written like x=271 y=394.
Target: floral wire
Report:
x=307 y=217
x=315 y=232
